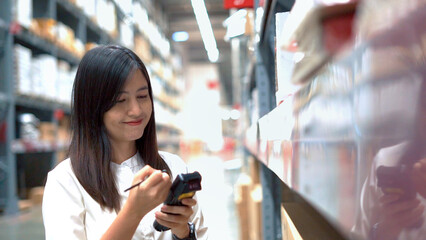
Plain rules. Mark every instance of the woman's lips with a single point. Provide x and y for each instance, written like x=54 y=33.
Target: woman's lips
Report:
x=134 y=123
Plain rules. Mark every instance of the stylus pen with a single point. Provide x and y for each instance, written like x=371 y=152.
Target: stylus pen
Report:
x=141 y=181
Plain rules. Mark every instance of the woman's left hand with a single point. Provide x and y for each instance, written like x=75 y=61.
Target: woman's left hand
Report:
x=177 y=217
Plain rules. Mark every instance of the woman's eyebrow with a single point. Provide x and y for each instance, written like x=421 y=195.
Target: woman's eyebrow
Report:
x=140 y=89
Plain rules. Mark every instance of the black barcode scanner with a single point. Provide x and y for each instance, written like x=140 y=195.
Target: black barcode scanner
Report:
x=184 y=186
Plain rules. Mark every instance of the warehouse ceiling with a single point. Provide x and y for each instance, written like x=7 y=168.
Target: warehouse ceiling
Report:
x=180 y=16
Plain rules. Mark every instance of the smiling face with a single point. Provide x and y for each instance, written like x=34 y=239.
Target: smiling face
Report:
x=126 y=120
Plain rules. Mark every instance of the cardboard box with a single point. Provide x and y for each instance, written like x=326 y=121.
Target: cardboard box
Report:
x=242 y=203
x=36 y=195
x=46 y=28
x=48 y=131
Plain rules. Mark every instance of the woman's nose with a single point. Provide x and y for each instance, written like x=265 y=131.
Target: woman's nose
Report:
x=135 y=108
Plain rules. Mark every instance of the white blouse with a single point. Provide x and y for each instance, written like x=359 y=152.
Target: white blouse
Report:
x=69 y=212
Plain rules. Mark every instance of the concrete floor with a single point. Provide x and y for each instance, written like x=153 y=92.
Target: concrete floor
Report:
x=27 y=224
x=216 y=197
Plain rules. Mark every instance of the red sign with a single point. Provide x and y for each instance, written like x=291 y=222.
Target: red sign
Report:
x=227 y=4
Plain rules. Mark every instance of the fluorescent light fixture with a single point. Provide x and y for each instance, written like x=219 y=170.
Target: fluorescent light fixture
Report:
x=206 y=30
x=180 y=36
x=213 y=55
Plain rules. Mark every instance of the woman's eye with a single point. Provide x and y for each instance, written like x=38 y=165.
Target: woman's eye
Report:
x=121 y=100
x=143 y=96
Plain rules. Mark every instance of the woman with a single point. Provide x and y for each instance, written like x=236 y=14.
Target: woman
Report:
x=114 y=146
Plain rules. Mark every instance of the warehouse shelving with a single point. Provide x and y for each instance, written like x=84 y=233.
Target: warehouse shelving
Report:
x=13 y=148
x=270 y=138
x=39 y=103
x=363 y=88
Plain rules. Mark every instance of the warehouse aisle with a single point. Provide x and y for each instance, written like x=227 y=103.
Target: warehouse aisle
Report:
x=217 y=196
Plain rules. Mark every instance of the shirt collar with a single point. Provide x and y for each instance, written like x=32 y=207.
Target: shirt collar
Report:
x=132 y=162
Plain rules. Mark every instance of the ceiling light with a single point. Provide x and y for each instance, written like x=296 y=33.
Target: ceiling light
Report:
x=206 y=30
x=181 y=36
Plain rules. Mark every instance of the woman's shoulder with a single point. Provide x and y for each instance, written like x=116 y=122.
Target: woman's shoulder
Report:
x=175 y=163
x=62 y=171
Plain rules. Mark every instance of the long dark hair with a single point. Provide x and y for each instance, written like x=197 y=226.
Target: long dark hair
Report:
x=100 y=76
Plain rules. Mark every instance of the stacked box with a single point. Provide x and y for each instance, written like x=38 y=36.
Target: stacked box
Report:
x=23 y=83
x=45 y=28
x=248 y=199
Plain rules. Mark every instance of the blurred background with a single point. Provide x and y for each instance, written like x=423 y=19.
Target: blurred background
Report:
x=281 y=105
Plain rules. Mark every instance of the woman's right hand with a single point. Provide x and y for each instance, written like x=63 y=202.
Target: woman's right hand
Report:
x=150 y=193
x=397 y=215
x=142 y=199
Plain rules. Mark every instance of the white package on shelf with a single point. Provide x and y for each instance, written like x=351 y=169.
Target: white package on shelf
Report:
x=125 y=5
x=37 y=89
x=156 y=86
x=88 y=6
x=126 y=35
x=24 y=12
x=47 y=69
x=61 y=84
x=160 y=115
x=285 y=61
x=140 y=16
x=106 y=16
x=23 y=81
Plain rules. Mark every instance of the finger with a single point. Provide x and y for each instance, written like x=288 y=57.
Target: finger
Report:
x=143 y=173
x=155 y=178
x=164 y=182
x=178 y=210
x=399 y=207
x=189 y=202
x=412 y=217
x=171 y=218
x=418 y=175
x=167 y=223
